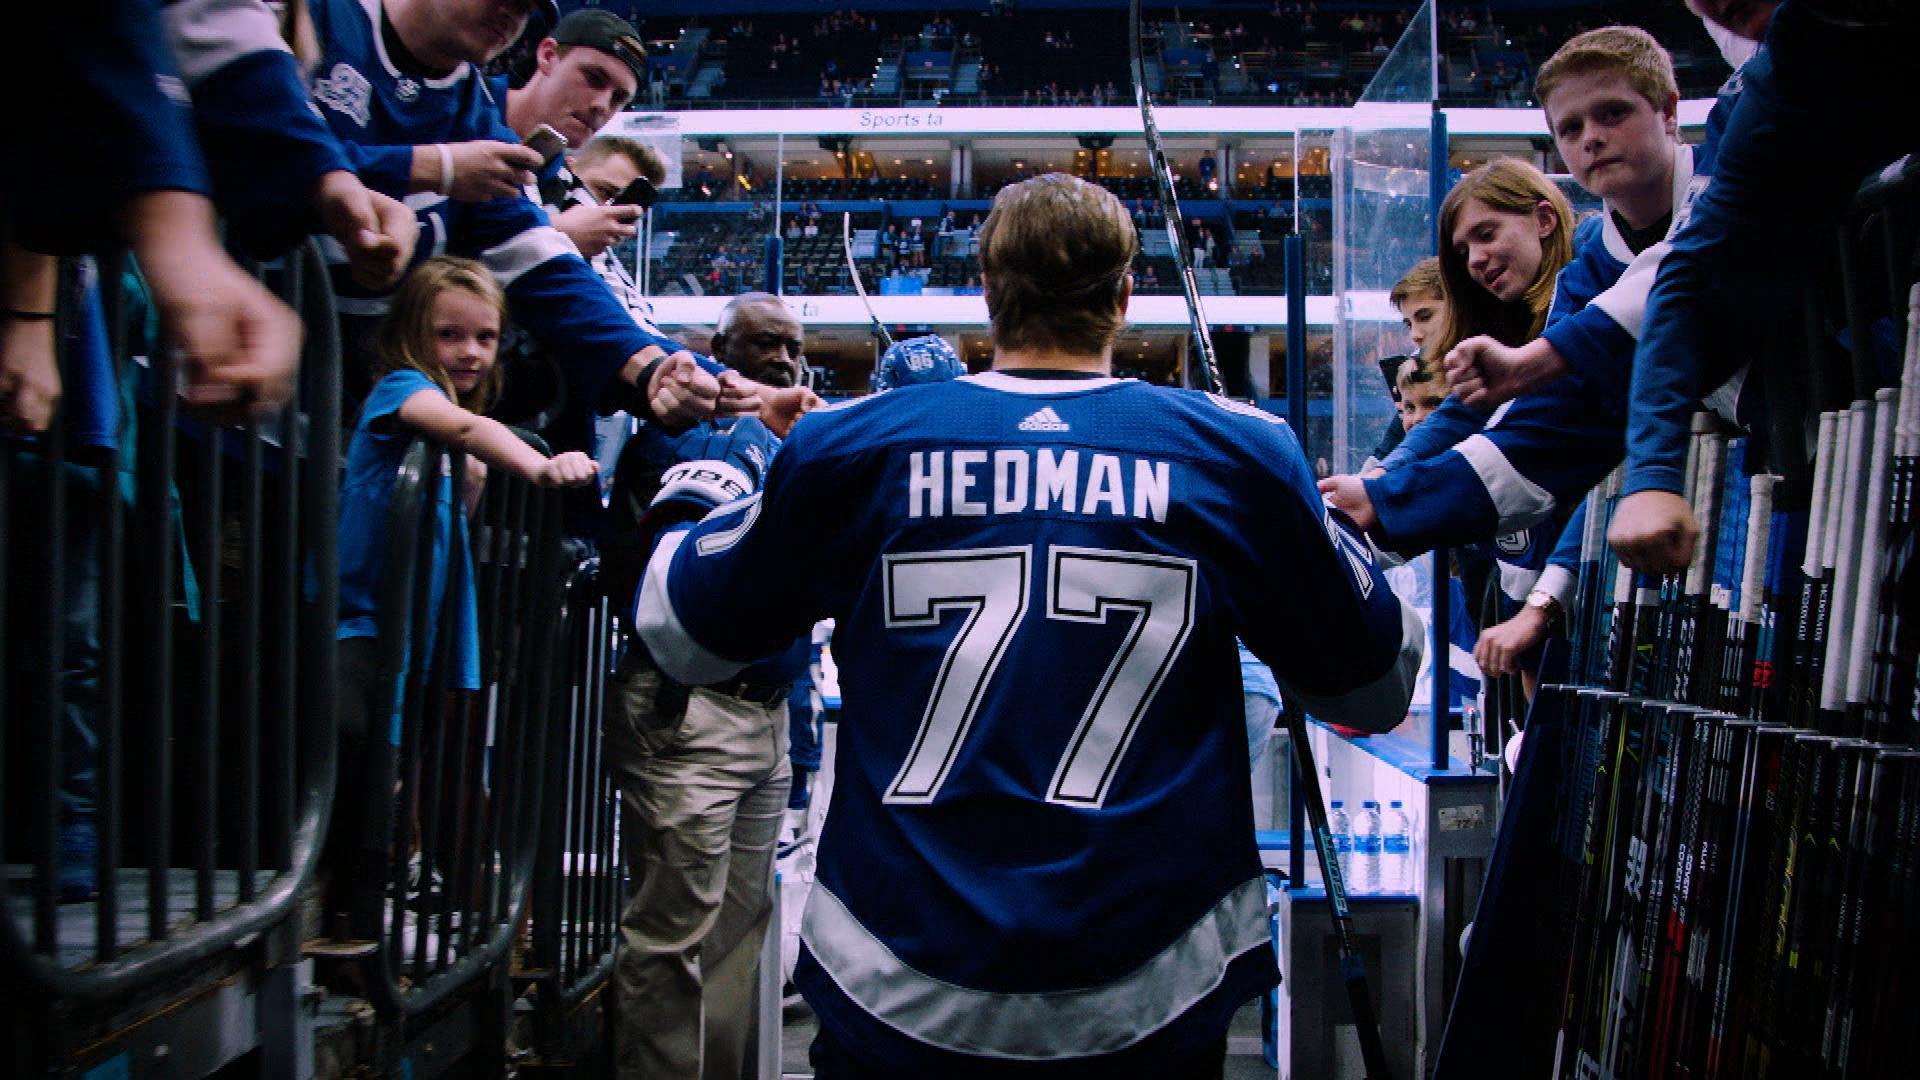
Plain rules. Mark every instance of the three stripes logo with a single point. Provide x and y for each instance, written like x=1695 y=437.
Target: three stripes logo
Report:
x=1044 y=420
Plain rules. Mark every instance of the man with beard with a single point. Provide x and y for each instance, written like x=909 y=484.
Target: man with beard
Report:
x=703 y=771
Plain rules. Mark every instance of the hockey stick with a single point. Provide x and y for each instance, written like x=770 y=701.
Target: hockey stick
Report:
x=860 y=287
x=1170 y=208
x=1352 y=968
x=1871 y=561
x=1842 y=550
x=1808 y=653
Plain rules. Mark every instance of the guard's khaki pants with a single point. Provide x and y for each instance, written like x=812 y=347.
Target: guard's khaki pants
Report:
x=701 y=802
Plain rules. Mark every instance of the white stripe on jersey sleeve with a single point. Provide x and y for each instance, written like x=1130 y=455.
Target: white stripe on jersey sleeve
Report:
x=1381 y=704
x=673 y=649
x=207 y=35
x=1519 y=501
x=1038 y=1026
x=525 y=251
x=1516 y=581
x=1556 y=581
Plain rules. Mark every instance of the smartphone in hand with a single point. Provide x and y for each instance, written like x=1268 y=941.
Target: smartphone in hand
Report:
x=546 y=142
x=640 y=193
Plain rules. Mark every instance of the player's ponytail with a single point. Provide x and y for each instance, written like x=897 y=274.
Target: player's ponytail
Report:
x=1054 y=255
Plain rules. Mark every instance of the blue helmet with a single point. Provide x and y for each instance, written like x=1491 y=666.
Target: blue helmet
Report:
x=927 y=359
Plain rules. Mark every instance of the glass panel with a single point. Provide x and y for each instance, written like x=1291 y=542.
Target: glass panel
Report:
x=1382 y=213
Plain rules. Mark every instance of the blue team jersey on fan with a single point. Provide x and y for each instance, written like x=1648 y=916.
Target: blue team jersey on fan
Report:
x=1040 y=846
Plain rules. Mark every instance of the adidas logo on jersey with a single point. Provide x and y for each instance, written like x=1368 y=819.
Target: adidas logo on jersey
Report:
x=1044 y=420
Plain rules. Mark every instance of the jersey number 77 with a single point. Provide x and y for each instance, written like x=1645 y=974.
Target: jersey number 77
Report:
x=1083 y=585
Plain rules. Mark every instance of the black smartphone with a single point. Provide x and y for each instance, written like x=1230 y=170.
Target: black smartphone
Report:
x=640 y=193
x=546 y=142
x=1390 y=371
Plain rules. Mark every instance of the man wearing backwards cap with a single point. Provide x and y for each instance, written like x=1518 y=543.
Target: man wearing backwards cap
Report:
x=584 y=73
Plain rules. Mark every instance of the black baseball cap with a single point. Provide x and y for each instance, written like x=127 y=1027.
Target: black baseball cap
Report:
x=607 y=32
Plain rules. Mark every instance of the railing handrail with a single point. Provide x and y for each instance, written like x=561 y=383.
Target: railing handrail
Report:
x=416 y=488
x=147 y=963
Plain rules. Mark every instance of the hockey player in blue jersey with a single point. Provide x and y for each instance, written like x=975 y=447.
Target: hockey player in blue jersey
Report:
x=916 y=361
x=1039 y=857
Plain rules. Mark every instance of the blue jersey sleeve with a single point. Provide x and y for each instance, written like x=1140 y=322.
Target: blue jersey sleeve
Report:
x=553 y=293
x=1593 y=268
x=99 y=114
x=1447 y=425
x=736 y=587
x=1312 y=602
x=1764 y=213
x=1559 y=576
x=265 y=144
x=1538 y=453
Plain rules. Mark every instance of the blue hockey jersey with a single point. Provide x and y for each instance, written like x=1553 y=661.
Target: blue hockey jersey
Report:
x=263 y=138
x=380 y=114
x=97 y=114
x=1040 y=847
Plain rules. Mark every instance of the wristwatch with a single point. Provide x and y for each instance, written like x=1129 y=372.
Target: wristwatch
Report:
x=1546 y=604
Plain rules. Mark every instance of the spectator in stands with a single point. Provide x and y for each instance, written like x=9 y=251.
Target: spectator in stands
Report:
x=1421 y=299
x=434 y=376
x=704 y=777
x=1511 y=232
x=399 y=88
x=585 y=72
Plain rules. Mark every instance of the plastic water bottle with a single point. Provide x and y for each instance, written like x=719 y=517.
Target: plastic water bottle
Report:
x=1342 y=831
x=1396 y=850
x=1366 y=848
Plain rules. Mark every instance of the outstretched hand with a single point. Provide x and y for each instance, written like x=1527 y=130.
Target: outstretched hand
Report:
x=681 y=392
x=1654 y=532
x=571 y=469
x=1484 y=373
x=1348 y=494
x=782 y=408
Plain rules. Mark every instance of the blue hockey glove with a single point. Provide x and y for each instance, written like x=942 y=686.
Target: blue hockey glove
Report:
x=717 y=464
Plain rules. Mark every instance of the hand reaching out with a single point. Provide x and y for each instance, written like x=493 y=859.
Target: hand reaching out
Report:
x=571 y=469
x=377 y=232
x=1654 y=532
x=1484 y=373
x=239 y=346
x=1348 y=494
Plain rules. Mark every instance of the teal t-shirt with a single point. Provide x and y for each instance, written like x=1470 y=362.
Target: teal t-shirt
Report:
x=374 y=457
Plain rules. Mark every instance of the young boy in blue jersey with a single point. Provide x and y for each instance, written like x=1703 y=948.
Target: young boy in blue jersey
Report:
x=1039 y=859
x=1611 y=103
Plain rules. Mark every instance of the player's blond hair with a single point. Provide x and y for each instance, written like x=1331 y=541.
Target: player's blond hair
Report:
x=1054 y=256
x=1626 y=51
x=406 y=337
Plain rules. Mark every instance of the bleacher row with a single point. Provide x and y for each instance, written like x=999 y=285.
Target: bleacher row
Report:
x=723 y=248
x=1281 y=52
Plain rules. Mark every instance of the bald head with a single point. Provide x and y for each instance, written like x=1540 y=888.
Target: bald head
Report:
x=761 y=339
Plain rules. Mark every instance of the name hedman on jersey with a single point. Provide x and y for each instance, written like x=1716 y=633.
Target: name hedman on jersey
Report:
x=975 y=483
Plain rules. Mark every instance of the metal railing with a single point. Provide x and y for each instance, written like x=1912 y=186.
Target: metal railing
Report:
x=458 y=782
x=579 y=879
x=199 y=668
